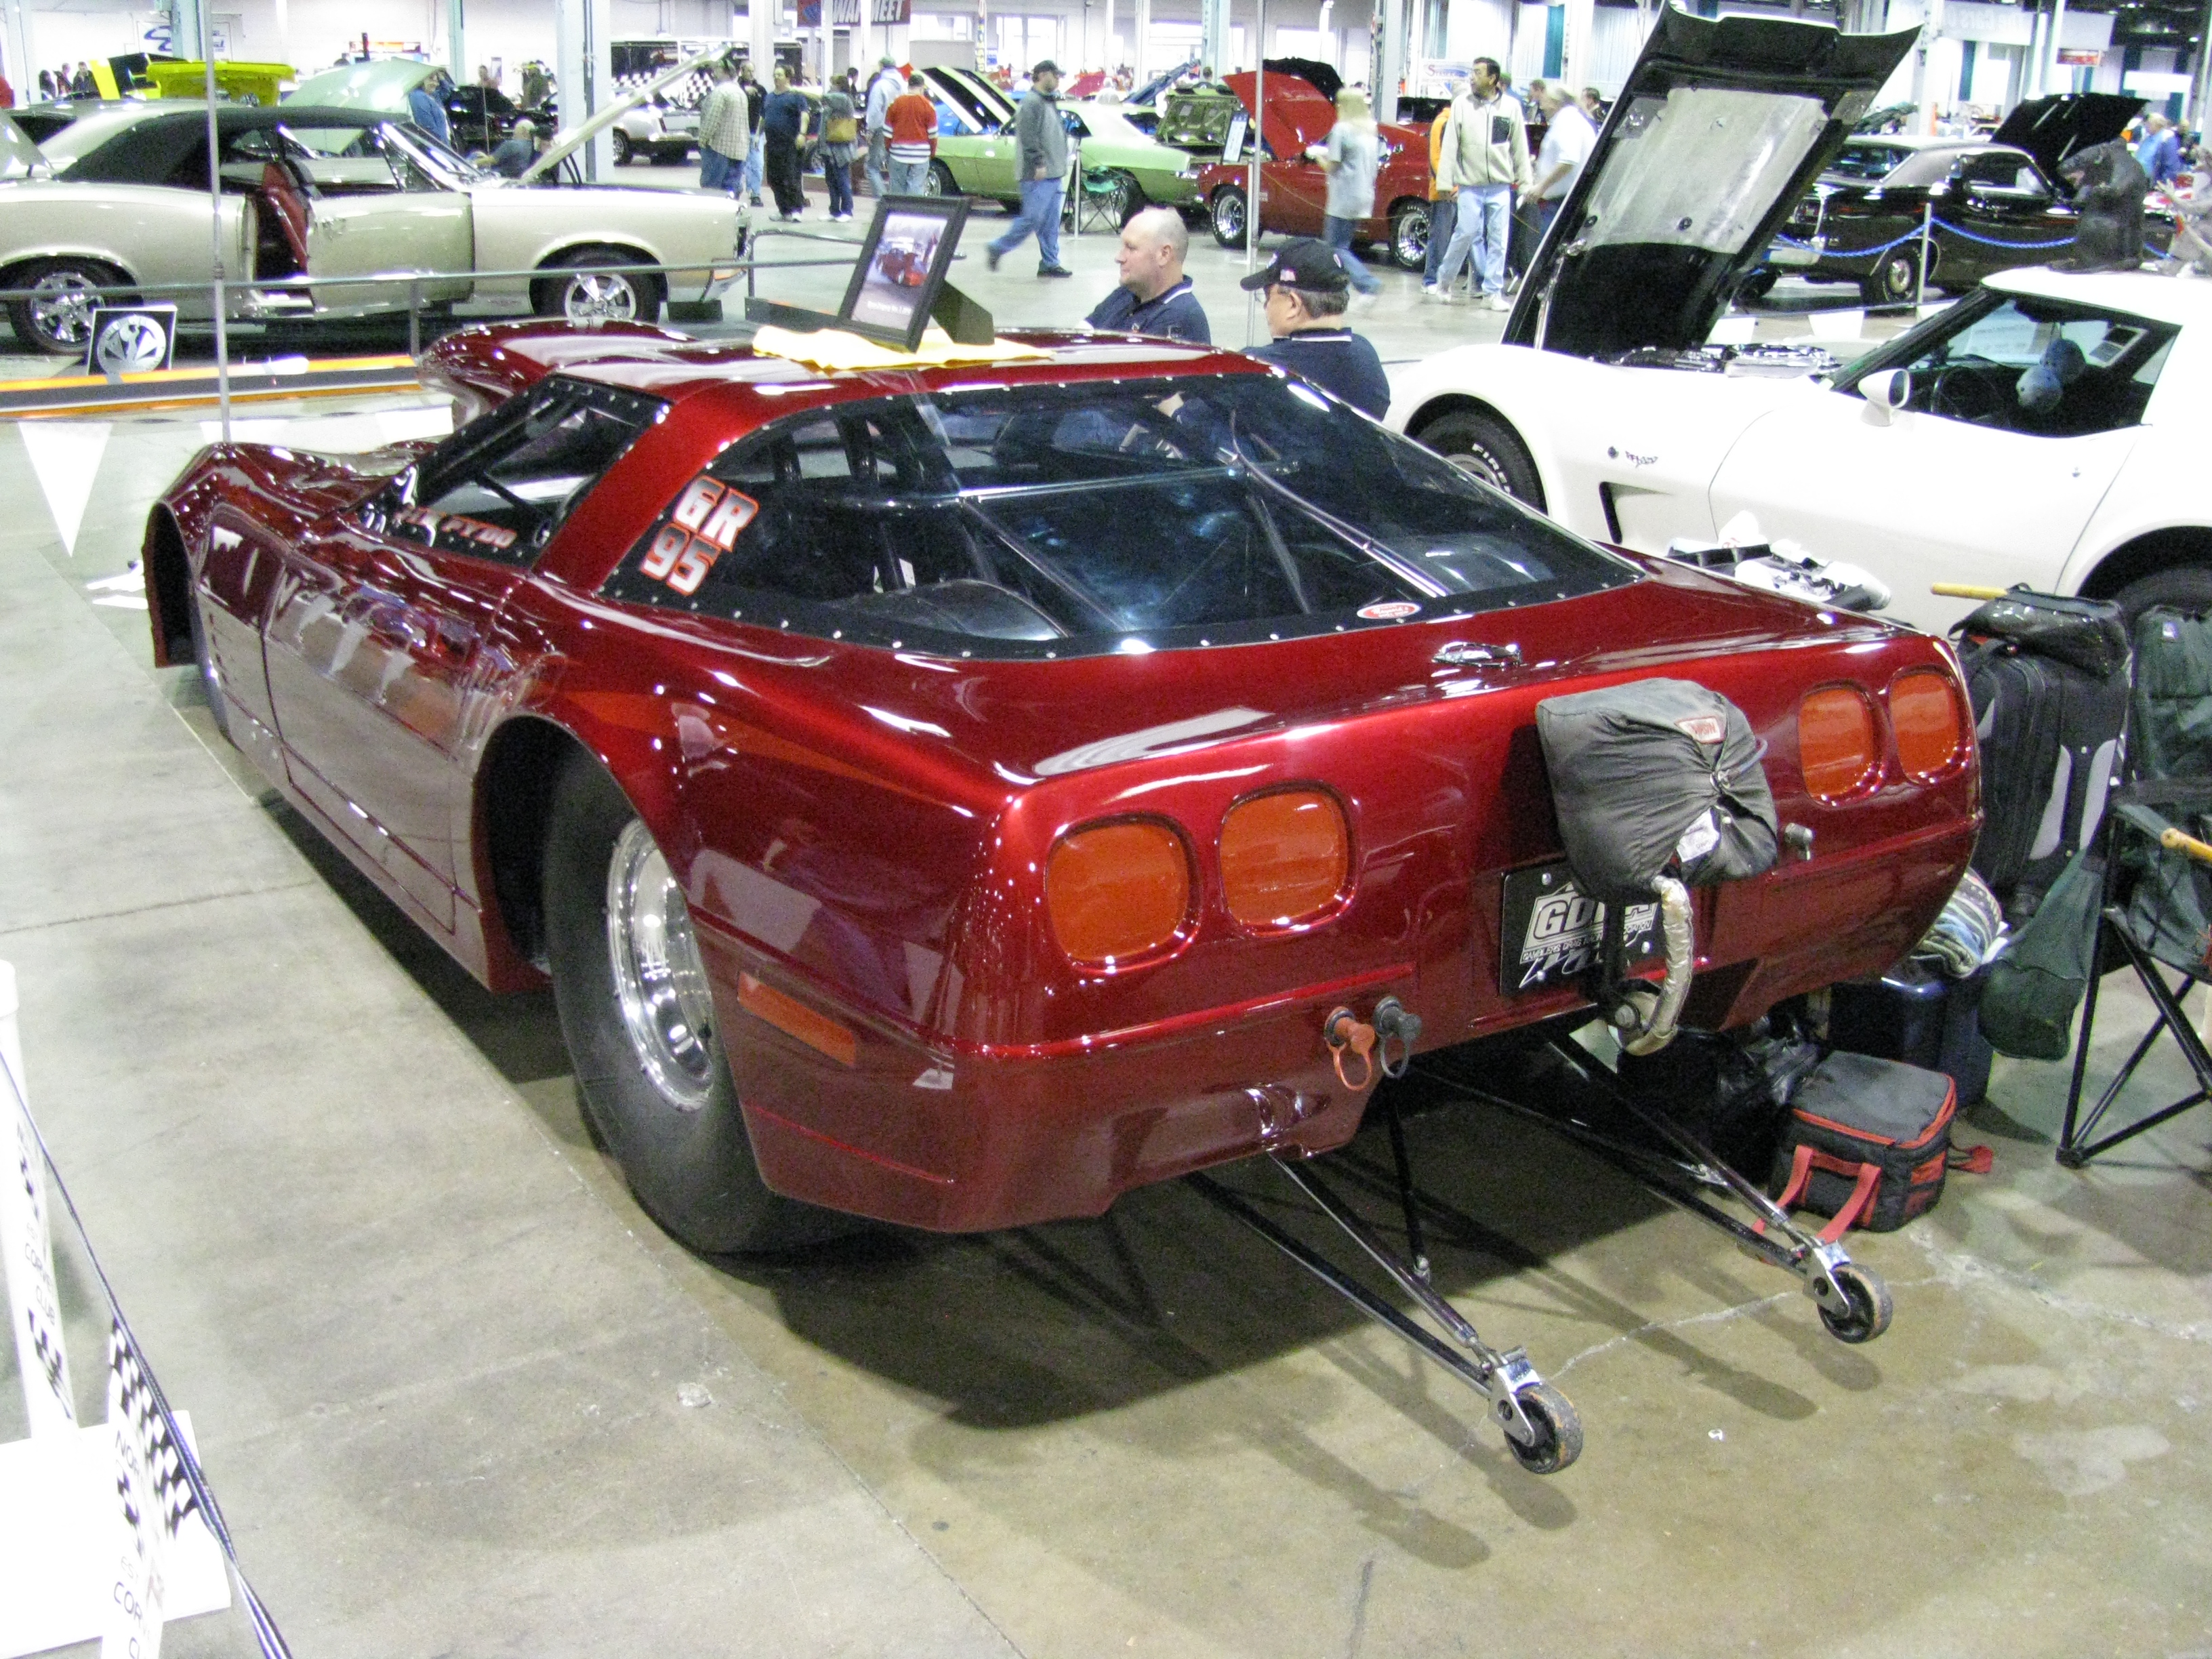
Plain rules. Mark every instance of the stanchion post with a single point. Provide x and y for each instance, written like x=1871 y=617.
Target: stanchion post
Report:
x=1927 y=227
x=1257 y=138
x=215 y=225
x=413 y=317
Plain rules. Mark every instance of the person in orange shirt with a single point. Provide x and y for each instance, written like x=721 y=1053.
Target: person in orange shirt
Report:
x=911 y=120
x=1442 y=202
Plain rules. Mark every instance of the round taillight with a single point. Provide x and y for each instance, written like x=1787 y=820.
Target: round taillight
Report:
x=1284 y=856
x=1117 y=890
x=1924 y=713
x=1835 y=741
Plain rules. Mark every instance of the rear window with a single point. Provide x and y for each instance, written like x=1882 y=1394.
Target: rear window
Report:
x=1871 y=162
x=1061 y=519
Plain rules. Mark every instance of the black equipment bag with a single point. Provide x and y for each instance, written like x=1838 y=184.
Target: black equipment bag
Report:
x=1652 y=776
x=2090 y=634
x=2048 y=681
x=1868 y=1142
x=1922 y=1017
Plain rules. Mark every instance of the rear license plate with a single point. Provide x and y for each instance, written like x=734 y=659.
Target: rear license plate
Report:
x=1549 y=931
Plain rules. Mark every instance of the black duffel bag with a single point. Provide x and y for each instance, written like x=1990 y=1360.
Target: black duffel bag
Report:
x=1653 y=775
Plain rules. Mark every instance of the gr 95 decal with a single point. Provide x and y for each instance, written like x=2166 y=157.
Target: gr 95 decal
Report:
x=702 y=525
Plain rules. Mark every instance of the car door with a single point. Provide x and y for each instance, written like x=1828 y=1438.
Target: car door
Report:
x=374 y=638
x=379 y=206
x=2020 y=413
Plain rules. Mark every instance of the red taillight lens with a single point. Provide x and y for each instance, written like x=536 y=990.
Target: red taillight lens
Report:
x=1924 y=713
x=1836 y=745
x=1118 y=890
x=1284 y=856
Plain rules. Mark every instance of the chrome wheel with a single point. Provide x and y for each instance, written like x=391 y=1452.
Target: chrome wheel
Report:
x=1227 y=209
x=660 y=987
x=1409 y=236
x=598 y=296
x=61 y=305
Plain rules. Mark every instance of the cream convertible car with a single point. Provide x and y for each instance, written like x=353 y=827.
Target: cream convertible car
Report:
x=119 y=199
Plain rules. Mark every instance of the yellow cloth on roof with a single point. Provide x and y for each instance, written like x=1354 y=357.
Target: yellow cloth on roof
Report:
x=835 y=348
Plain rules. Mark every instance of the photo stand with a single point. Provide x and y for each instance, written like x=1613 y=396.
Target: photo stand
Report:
x=898 y=286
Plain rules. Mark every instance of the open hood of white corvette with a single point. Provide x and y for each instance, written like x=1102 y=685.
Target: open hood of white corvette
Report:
x=1722 y=126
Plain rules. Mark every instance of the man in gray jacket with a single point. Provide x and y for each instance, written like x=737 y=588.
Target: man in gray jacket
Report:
x=1483 y=156
x=1042 y=171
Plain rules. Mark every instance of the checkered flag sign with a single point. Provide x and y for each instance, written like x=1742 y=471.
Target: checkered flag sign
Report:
x=29 y=1273
x=162 y=1491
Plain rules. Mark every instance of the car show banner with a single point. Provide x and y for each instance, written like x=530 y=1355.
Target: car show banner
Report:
x=106 y=1531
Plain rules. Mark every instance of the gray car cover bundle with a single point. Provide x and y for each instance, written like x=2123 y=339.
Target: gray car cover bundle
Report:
x=1652 y=778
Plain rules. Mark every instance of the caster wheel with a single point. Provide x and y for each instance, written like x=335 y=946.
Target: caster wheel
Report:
x=1869 y=1315
x=1559 y=1431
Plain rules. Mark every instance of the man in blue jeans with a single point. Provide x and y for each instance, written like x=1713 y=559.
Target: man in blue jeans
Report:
x=1041 y=168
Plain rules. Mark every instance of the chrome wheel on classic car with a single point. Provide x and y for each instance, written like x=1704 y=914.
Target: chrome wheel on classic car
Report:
x=1409 y=235
x=1226 y=213
x=57 y=317
x=588 y=293
x=1895 y=277
x=940 y=181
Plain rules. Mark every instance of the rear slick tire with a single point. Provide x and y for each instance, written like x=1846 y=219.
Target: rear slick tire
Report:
x=649 y=1065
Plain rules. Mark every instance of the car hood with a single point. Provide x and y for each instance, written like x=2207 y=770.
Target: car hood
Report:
x=1721 y=127
x=383 y=85
x=978 y=92
x=569 y=140
x=2052 y=129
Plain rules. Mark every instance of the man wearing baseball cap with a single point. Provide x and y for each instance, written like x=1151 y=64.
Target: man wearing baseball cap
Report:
x=1041 y=143
x=1306 y=291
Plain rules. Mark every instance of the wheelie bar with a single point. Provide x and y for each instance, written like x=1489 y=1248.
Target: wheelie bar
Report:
x=1541 y=1428
x=1854 y=1303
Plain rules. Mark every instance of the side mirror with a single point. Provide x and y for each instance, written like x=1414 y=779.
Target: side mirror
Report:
x=1886 y=392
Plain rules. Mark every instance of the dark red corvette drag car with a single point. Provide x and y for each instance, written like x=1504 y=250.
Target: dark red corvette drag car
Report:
x=958 y=796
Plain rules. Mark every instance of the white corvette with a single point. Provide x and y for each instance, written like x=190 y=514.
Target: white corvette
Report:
x=2046 y=430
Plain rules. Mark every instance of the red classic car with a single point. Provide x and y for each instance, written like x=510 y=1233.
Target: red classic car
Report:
x=958 y=796
x=1294 y=189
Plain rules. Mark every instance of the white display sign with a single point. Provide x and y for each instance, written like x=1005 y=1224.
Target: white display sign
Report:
x=35 y=1307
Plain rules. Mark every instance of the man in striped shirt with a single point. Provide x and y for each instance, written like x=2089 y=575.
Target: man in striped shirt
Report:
x=911 y=120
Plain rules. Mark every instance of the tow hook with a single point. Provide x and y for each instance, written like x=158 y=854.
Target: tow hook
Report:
x=1385 y=1043
x=1345 y=1032
x=1394 y=1023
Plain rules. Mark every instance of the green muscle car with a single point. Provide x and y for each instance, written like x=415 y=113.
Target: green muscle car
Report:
x=976 y=148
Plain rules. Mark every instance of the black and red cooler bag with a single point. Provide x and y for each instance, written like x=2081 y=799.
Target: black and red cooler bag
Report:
x=1868 y=1142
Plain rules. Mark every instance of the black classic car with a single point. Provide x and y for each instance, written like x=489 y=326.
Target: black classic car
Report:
x=1995 y=202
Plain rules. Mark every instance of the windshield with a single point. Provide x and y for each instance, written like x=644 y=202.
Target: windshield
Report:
x=403 y=151
x=1059 y=519
x=1700 y=168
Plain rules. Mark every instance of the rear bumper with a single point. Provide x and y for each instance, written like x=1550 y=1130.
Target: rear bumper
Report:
x=968 y=1138
x=972 y=1138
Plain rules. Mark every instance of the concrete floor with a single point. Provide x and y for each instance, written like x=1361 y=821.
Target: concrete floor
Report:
x=458 y=1395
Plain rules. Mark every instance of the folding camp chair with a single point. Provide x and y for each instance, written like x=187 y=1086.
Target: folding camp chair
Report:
x=1100 y=200
x=2156 y=912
